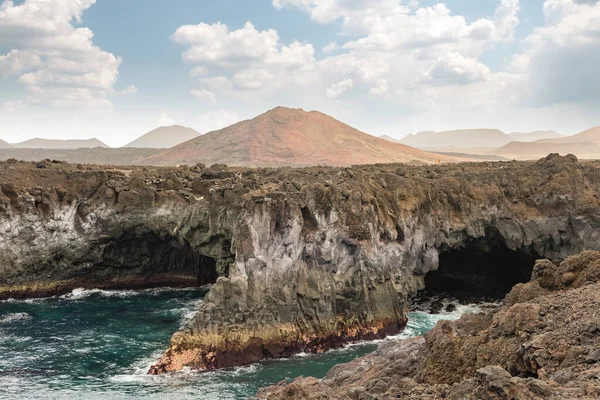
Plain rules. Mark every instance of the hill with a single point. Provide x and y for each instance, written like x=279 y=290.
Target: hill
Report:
x=589 y=136
x=5 y=145
x=536 y=135
x=536 y=150
x=164 y=137
x=585 y=145
x=291 y=137
x=56 y=144
x=465 y=138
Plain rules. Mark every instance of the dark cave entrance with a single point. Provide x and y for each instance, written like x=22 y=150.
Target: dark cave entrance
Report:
x=151 y=260
x=483 y=267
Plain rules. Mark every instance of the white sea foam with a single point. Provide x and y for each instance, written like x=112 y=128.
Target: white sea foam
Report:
x=9 y=318
x=79 y=294
x=28 y=301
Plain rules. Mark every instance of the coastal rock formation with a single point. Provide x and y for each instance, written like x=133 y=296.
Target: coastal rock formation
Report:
x=542 y=344
x=301 y=259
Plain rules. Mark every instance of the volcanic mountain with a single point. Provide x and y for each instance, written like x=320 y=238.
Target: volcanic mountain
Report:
x=55 y=144
x=164 y=137
x=290 y=137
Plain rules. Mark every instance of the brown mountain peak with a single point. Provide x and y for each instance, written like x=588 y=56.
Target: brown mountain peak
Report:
x=293 y=137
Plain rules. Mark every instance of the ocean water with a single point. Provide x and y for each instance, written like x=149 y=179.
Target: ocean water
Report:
x=95 y=344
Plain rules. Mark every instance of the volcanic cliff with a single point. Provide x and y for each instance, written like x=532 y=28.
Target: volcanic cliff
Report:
x=301 y=259
x=544 y=343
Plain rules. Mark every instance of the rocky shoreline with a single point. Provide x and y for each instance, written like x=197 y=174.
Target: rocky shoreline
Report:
x=301 y=259
x=544 y=343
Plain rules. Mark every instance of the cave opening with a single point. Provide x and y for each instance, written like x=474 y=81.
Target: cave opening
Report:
x=150 y=260
x=482 y=267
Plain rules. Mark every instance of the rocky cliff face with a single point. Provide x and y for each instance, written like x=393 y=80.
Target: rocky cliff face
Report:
x=542 y=344
x=301 y=259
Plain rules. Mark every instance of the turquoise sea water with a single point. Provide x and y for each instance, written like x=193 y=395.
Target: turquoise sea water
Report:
x=94 y=344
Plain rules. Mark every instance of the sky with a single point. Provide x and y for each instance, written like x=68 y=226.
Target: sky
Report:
x=117 y=69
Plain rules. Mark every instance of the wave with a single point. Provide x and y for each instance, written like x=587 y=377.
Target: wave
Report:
x=78 y=294
x=9 y=318
x=81 y=293
x=27 y=301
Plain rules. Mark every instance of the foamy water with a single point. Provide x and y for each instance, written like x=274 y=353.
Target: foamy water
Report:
x=99 y=344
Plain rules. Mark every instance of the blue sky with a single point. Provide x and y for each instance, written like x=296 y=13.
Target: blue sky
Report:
x=114 y=70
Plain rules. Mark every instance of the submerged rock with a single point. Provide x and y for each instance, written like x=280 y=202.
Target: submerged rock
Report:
x=450 y=308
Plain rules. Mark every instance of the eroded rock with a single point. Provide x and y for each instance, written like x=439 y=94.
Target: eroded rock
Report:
x=543 y=347
x=308 y=258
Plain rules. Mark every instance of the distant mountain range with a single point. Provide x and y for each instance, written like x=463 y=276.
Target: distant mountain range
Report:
x=464 y=138
x=291 y=137
x=536 y=135
x=584 y=145
x=294 y=137
x=164 y=137
x=589 y=136
x=55 y=144
x=470 y=138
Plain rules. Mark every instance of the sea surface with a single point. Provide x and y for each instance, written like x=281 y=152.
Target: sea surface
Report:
x=96 y=344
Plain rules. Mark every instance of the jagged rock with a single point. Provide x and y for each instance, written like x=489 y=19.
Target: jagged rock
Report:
x=304 y=267
x=545 y=347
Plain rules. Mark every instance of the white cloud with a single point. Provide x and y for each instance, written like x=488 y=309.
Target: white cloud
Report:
x=506 y=19
x=252 y=79
x=331 y=47
x=326 y=11
x=131 y=89
x=215 y=44
x=216 y=120
x=380 y=88
x=388 y=24
x=16 y=61
x=455 y=69
x=54 y=59
x=242 y=60
x=390 y=43
x=561 y=58
x=430 y=31
x=68 y=97
x=337 y=89
x=205 y=95
x=165 y=120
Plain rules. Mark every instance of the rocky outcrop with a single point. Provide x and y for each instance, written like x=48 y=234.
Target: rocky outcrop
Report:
x=301 y=259
x=543 y=344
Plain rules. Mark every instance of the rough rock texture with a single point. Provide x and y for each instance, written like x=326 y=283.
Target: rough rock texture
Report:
x=302 y=259
x=543 y=344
